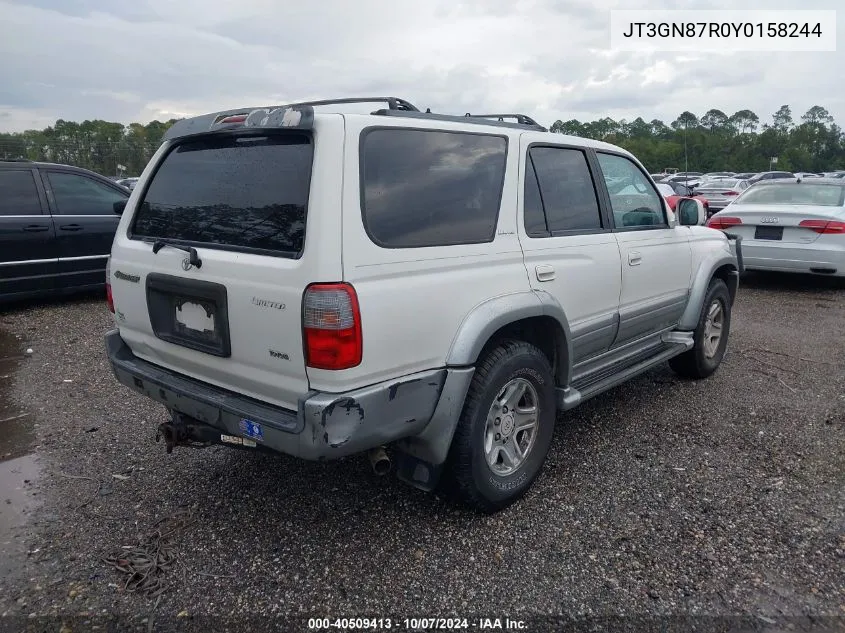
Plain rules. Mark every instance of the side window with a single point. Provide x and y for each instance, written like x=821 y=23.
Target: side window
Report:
x=431 y=188
x=633 y=199
x=79 y=195
x=568 y=194
x=535 y=217
x=18 y=195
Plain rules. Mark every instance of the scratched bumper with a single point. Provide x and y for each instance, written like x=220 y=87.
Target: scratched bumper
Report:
x=326 y=425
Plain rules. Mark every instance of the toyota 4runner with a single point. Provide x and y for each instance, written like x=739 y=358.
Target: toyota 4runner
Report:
x=323 y=284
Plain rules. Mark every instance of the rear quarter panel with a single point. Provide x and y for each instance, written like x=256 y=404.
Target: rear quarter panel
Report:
x=414 y=300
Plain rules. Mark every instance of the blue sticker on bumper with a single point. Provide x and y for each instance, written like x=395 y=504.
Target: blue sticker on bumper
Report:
x=252 y=429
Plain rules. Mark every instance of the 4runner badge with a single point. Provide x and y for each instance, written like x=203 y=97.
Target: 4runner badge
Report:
x=133 y=278
x=267 y=303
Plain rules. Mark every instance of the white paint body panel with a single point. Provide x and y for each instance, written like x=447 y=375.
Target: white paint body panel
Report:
x=254 y=330
x=413 y=301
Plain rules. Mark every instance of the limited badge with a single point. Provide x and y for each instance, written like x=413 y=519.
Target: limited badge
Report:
x=252 y=429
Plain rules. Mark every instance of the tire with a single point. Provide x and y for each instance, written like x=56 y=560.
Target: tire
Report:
x=488 y=488
x=703 y=359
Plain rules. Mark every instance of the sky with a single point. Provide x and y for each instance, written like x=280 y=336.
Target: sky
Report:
x=139 y=60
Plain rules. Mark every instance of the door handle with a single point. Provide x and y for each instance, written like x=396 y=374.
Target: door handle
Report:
x=36 y=228
x=71 y=227
x=545 y=272
x=634 y=259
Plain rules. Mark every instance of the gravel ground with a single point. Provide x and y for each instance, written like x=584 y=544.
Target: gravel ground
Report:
x=703 y=501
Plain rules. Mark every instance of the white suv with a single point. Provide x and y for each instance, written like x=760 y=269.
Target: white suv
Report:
x=322 y=284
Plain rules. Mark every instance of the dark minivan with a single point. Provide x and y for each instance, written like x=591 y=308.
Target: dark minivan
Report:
x=57 y=224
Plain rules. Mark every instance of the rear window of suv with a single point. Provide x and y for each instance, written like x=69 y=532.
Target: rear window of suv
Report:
x=430 y=187
x=242 y=193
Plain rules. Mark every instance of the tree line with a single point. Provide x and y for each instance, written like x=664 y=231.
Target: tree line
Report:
x=101 y=146
x=719 y=142
x=714 y=142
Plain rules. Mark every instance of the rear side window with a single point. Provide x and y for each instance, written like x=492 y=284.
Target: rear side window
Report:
x=431 y=188
x=568 y=193
x=79 y=195
x=242 y=193
x=18 y=195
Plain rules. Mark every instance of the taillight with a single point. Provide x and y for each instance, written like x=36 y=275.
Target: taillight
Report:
x=109 y=298
x=731 y=193
x=722 y=222
x=331 y=323
x=824 y=226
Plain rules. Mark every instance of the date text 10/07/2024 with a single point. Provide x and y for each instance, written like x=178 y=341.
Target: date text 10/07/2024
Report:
x=415 y=624
x=722 y=29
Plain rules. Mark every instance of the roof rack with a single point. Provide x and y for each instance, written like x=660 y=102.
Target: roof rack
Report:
x=522 y=119
x=393 y=103
x=499 y=121
x=276 y=116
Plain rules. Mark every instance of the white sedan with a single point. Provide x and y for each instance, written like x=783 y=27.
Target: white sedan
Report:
x=789 y=225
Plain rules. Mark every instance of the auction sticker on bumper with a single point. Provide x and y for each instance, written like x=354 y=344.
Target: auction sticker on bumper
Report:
x=252 y=429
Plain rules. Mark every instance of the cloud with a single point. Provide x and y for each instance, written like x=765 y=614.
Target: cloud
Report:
x=136 y=60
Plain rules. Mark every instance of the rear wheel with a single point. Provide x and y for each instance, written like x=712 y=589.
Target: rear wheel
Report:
x=505 y=429
x=711 y=335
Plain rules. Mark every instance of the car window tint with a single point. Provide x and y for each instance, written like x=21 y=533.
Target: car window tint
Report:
x=18 y=195
x=569 y=196
x=633 y=199
x=79 y=195
x=234 y=192
x=431 y=188
x=535 y=217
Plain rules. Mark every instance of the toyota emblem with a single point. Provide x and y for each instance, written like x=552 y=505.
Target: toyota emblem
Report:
x=186 y=264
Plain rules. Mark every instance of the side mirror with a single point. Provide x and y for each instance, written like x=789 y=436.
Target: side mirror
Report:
x=691 y=212
x=120 y=206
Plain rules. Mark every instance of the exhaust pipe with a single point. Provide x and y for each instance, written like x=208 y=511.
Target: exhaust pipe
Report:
x=379 y=461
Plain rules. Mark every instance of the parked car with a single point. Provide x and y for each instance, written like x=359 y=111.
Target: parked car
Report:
x=807 y=174
x=720 y=193
x=272 y=288
x=717 y=174
x=770 y=175
x=790 y=225
x=674 y=192
x=57 y=223
x=129 y=183
x=745 y=175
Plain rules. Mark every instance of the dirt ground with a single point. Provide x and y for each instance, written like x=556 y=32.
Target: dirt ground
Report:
x=712 y=505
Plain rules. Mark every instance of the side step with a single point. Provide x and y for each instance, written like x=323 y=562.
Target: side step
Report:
x=596 y=383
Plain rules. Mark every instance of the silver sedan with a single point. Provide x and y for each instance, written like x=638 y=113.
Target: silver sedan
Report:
x=789 y=225
x=720 y=193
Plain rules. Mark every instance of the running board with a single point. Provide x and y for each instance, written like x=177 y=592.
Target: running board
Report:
x=571 y=397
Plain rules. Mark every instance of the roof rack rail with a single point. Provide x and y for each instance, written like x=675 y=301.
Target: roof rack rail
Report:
x=393 y=103
x=475 y=120
x=522 y=119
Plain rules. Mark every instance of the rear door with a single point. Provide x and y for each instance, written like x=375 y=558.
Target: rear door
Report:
x=85 y=221
x=263 y=229
x=28 y=260
x=569 y=247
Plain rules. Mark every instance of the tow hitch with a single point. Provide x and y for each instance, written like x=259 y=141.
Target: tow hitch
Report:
x=182 y=430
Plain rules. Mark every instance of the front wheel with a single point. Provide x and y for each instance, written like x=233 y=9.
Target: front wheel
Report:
x=711 y=335
x=505 y=429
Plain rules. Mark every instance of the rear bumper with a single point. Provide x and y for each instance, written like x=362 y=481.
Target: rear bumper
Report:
x=325 y=426
x=792 y=257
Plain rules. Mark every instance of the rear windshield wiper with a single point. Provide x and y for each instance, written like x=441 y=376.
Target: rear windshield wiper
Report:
x=193 y=256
